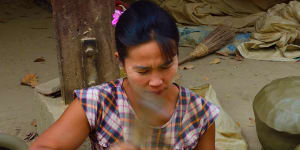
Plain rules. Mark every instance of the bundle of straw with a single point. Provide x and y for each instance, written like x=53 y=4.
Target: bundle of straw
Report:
x=214 y=41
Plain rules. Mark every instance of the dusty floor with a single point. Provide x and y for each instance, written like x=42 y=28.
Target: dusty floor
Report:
x=26 y=33
x=20 y=44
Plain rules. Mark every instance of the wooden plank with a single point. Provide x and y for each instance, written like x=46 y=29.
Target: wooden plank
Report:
x=75 y=20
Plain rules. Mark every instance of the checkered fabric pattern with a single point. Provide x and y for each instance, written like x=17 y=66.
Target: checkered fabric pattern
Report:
x=111 y=118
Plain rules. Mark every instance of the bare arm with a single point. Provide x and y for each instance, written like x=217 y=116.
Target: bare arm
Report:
x=67 y=133
x=207 y=141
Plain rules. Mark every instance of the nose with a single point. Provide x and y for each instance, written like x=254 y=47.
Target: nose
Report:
x=155 y=81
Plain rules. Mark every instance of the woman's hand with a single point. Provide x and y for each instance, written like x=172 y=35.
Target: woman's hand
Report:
x=124 y=146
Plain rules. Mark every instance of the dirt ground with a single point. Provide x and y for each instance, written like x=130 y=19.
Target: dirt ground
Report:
x=27 y=33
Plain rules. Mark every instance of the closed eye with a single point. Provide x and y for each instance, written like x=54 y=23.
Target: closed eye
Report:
x=142 y=71
x=165 y=67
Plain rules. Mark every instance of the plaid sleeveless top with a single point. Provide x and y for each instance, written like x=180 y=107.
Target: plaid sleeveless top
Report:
x=110 y=117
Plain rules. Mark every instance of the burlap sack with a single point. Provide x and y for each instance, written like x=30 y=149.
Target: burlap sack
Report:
x=228 y=133
x=277 y=35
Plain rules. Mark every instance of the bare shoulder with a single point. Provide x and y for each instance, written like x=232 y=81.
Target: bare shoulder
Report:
x=207 y=141
x=68 y=132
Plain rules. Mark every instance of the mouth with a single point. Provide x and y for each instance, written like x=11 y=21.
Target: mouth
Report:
x=157 y=92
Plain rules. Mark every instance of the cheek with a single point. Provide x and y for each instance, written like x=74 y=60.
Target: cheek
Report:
x=135 y=78
x=172 y=70
x=170 y=74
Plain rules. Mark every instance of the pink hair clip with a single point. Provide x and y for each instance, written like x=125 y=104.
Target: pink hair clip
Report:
x=120 y=7
x=116 y=17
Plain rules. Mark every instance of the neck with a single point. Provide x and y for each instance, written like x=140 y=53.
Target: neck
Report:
x=158 y=110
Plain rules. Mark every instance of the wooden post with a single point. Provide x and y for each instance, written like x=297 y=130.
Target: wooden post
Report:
x=85 y=43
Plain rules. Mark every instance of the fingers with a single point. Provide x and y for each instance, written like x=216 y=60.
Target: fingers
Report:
x=124 y=146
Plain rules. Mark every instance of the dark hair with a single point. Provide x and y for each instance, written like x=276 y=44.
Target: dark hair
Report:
x=143 y=22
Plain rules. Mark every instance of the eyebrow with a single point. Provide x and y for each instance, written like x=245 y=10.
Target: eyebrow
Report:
x=145 y=67
x=167 y=63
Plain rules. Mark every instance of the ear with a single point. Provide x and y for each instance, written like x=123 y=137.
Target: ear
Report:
x=116 y=55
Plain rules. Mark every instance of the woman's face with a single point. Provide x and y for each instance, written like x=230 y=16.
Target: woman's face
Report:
x=148 y=71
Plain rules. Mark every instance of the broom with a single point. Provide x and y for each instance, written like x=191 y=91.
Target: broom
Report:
x=214 y=41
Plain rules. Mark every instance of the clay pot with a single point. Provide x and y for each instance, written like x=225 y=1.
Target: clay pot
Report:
x=8 y=142
x=277 y=114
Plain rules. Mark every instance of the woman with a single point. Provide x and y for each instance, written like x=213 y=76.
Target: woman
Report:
x=147 y=44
